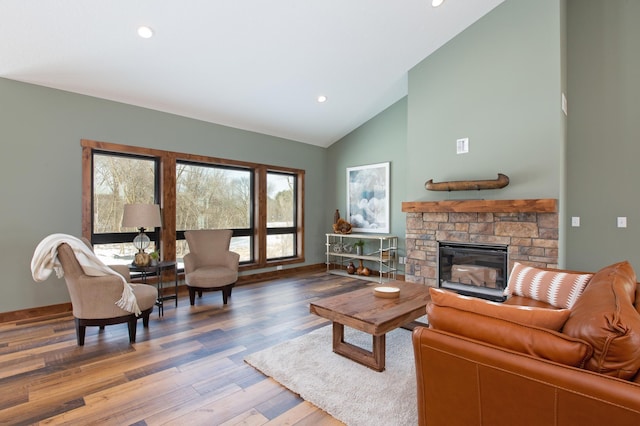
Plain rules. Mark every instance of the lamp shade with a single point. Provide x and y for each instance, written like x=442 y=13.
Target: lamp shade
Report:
x=141 y=216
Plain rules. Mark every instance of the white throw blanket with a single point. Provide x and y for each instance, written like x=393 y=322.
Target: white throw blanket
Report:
x=45 y=260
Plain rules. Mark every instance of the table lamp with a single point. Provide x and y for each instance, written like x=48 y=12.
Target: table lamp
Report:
x=141 y=216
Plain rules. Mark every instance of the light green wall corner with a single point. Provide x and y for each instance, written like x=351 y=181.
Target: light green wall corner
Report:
x=498 y=83
x=604 y=123
x=381 y=139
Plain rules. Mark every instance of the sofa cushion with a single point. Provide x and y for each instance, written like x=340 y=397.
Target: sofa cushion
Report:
x=605 y=317
x=552 y=319
x=526 y=339
x=559 y=289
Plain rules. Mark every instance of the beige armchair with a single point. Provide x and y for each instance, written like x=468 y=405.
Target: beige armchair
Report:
x=209 y=265
x=93 y=298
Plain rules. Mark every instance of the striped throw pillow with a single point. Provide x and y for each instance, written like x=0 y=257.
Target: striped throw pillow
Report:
x=559 y=289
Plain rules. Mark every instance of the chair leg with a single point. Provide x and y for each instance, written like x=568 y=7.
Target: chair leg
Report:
x=145 y=319
x=132 y=323
x=192 y=296
x=80 y=332
x=200 y=294
x=226 y=292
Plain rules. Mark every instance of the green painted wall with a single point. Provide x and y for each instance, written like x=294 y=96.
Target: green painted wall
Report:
x=41 y=129
x=604 y=123
x=499 y=84
x=381 y=139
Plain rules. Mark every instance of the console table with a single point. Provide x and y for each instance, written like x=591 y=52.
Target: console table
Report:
x=381 y=249
x=157 y=270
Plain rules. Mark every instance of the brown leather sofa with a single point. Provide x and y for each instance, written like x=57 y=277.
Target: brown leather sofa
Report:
x=488 y=369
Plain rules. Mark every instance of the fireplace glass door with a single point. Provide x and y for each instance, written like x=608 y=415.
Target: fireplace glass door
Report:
x=478 y=270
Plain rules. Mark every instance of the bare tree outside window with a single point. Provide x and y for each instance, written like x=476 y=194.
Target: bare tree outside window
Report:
x=119 y=180
x=281 y=215
x=213 y=197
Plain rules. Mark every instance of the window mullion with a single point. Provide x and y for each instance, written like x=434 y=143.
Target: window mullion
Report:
x=261 y=217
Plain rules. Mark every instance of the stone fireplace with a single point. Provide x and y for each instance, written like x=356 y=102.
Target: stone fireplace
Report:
x=529 y=229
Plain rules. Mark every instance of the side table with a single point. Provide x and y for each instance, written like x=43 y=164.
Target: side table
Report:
x=156 y=270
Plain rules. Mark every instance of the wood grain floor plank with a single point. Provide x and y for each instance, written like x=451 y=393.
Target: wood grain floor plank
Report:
x=224 y=409
x=248 y=418
x=176 y=413
x=295 y=415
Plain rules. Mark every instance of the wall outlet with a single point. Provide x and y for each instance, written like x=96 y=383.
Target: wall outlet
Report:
x=402 y=260
x=462 y=146
x=575 y=221
x=622 y=221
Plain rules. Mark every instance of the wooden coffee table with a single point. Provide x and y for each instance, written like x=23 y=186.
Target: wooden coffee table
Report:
x=361 y=310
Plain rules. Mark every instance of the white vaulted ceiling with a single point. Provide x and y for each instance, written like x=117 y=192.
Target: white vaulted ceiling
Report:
x=257 y=65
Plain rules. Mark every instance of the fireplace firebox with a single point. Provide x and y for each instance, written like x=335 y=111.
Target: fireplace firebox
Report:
x=478 y=270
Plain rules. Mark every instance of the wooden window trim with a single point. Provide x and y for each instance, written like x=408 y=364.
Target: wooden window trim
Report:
x=168 y=161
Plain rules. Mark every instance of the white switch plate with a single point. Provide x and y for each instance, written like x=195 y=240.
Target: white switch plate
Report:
x=575 y=221
x=462 y=146
x=622 y=222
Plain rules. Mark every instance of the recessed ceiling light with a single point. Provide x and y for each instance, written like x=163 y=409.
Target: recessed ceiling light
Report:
x=322 y=98
x=436 y=3
x=145 y=32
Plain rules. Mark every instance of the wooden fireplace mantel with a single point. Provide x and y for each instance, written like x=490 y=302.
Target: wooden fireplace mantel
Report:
x=538 y=205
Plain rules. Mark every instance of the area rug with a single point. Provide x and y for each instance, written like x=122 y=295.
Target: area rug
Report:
x=350 y=392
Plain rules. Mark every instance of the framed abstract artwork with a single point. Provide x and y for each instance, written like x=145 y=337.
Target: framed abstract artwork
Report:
x=368 y=198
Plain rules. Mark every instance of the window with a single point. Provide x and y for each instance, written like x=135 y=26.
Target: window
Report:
x=120 y=179
x=215 y=197
x=281 y=215
x=262 y=204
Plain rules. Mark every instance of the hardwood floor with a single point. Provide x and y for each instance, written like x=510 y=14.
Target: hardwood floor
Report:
x=186 y=368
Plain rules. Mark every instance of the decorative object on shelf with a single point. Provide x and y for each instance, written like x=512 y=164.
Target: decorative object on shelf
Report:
x=342 y=227
x=359 y=247
x=141 y=216
x=386 y=292
x=341 y=248
x=142 y=259
x=155 y=257
x=365 y=272
x=468 y=185
x=360 y=268
x=368 y=198
x=336 y=216
x=351 y=268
